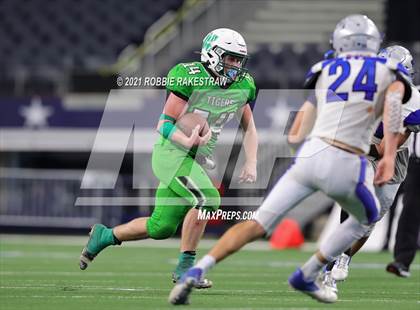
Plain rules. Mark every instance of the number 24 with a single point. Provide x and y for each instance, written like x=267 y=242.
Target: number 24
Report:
x=367 y=72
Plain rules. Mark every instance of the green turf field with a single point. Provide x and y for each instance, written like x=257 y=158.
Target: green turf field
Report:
x=43 y=273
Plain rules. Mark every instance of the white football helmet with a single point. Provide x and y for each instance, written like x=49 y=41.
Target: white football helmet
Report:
x=401 y=54
x=356 y=33
x=219 y=43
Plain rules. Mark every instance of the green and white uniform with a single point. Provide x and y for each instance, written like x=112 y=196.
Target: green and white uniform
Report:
x=183 y=182
x=181 y=178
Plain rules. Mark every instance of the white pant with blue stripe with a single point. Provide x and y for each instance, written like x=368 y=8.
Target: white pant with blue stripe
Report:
x=345 y=177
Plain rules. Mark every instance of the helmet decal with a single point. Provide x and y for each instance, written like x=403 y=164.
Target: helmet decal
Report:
x=211 y=37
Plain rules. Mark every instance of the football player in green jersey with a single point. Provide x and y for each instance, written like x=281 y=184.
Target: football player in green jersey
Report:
x=218 y=88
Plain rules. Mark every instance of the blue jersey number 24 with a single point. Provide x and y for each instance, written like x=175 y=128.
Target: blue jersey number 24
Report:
x=365 y=80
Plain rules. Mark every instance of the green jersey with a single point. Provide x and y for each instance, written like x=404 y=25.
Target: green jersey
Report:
x=207 y=96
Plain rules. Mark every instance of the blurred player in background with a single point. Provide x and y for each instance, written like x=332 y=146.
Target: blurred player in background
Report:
x=174 y=160
x=338 y=270
x=409 y=223
x=361 y=88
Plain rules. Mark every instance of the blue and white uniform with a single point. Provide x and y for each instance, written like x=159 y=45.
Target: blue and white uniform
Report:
x=411 y=122
x=350 y=92
x=351 y=117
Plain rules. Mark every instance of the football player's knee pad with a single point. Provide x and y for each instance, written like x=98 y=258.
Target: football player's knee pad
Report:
x=159 y=231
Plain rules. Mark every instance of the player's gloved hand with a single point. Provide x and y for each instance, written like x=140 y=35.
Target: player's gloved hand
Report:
x=384 y=171
x=249 y=172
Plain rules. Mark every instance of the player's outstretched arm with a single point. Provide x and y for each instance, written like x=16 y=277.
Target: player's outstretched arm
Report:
x=302 y=124
x=250 y=141
x=392 y=119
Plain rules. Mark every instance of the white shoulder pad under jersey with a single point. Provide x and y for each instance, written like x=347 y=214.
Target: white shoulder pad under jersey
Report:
x=350 y=93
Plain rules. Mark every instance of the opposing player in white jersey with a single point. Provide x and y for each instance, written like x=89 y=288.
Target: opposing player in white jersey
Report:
x=353 y=91
x=386 y=193
x=338 y=270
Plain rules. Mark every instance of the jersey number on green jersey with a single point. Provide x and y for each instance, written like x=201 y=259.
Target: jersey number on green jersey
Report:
x=192 y=68
x=218 y=124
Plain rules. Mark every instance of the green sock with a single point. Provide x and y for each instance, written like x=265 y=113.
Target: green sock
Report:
x=101 y=238
x=185 y=261
x=115 y=239
x=108 y=238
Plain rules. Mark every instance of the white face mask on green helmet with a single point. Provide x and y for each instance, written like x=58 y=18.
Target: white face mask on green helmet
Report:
x=220 y=43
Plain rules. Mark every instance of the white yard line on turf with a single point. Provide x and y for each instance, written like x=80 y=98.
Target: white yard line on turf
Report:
x=81 y=240
x=149 y=289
